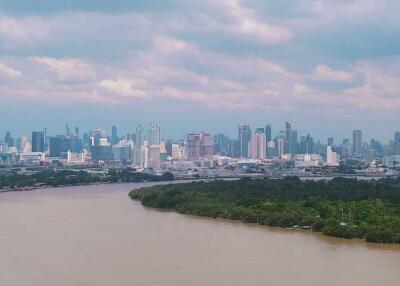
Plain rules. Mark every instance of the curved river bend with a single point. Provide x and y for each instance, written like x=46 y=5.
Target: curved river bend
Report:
x=95 y=235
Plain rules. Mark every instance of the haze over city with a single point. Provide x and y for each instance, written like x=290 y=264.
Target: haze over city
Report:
x=328 y=66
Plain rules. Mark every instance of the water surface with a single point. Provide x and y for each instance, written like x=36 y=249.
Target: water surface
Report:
x=95 y=235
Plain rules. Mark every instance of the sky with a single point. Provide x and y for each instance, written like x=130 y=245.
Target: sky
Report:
x=326 y=66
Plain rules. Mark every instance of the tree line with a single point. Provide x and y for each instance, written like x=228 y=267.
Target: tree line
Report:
x=342 y=207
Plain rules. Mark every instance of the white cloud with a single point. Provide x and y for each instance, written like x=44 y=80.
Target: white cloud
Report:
x=325 y=73
x=68 y=69
x=125 y=87
x=9 y=72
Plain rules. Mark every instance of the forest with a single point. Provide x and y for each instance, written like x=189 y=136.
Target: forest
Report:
x=347 y=208
x=69 y=177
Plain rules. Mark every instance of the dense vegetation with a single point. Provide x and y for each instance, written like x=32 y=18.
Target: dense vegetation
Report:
x=67 y=177
x=342 y=207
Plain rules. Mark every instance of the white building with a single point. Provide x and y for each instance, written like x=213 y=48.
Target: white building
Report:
x=154 y=157
x=258 y=146
x=332 y=158
x=307 y=160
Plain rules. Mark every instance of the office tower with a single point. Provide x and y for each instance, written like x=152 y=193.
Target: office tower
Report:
x=55 y=146
x=332 y=158
x=154 y=134
x=85 y=141
x=244 y=138
x=288 y=130
x=168 y=147
x=293 y=142
x=123 y=151
x=330 y=141
x=9 y=140
x=309 y=144
x=175 y=151
x=95 y=136
x=154 y=157
x=77 y=134
x=200 y=145
x=139 y=135
x=38 y=141
x=396 y=143
x=114 y=135
x=268 y=132
x=258 y=145
x=234 y=148
x=280 y=146
x=357 y=143
x=271 y=150
x=221 y=144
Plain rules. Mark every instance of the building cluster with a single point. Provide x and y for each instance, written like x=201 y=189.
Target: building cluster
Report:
x=146 y=149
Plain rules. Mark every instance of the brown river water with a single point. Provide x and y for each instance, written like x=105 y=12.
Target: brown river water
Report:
x=95 y=235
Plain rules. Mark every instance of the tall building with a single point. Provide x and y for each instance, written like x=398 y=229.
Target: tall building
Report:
x=332 y=158
x=330 y=141
x=9 y=140
x=114 y=135
x=139 y=135
x=280 y=146
x=244 y=138
x=258 y=145
x=200 y=145
x=293 y=142
x=221 y=144
x=154 y=134
x=357 y=143
x=288 y=130
x=396 y=143
x=38 y=141
x=268 y=132
x=154 y=157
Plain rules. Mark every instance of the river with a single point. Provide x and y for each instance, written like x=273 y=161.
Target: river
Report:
x=95 y=235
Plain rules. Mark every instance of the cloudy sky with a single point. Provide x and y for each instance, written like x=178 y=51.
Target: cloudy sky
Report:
x=328 y=66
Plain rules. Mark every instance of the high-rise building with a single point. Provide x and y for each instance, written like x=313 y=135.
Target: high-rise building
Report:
x=288 y=130
x=280 y=146
x=293 y=142
x=9 y=140
x=396 y=143
x=244 y=138
x=114 y=135
x=154 y=157
x=154 y=135
x=330 y=141
x=258 y=145
x=268 y=132
x=357 y=143
x=332 y=158
x=38 y=141
x=200 y=145
x=221 y=144
x=139 y=135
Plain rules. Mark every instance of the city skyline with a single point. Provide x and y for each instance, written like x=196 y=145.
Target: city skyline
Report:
x=210 y=64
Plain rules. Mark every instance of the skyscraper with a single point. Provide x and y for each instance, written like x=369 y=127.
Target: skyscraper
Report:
x=268 y=132
x=9 y=140
x=357 y=143
x=397 y=143
x=244 y=138
x=114 y=135
x=258 y=145
x=38 y=141
x=139 y=136
x=154 y=135
x=293 y=142
x=200 y=145
x=288 y=129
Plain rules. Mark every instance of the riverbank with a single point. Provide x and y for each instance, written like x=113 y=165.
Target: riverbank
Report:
x=340 y=208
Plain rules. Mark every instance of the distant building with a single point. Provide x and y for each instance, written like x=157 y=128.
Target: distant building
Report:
x=357 y=143
x=258 y=145
x=200 y=145
x=38 y=141
x=154 y=157
x=154 y=134
x=332 y=158
x=244 y=138
x=114 y=135
x=396 y=145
